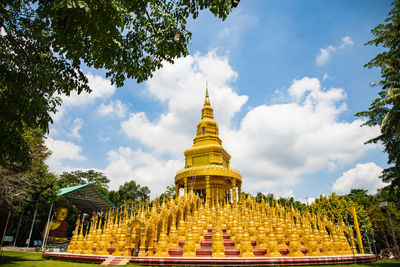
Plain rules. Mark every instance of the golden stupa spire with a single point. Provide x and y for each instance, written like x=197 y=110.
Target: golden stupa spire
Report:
x=207 y=111
x=207 y=101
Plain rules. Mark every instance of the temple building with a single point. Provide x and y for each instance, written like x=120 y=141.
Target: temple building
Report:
x=211 y=219
x=207 y=169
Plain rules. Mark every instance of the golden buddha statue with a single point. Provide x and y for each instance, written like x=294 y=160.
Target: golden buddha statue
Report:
x=57 y=231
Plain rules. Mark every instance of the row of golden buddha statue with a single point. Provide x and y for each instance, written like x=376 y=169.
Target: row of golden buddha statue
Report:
x=183 y=223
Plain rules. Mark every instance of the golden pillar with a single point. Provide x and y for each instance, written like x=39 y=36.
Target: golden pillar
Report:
x=234 y=191
x=142 y=248
x=353 y=210
x=186 y=185
x=177 y=190
x=212 y=198
x=208 y=190
x=240 y=192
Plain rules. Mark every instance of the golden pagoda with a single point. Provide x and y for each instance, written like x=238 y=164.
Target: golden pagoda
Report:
x=207 y=171
x=210 y=219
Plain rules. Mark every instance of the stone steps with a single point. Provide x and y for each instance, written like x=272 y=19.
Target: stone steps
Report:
x=208 y=243
x=206 y=247
x=116 y=261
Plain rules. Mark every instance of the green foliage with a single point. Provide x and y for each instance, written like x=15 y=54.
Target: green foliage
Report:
x=23 y=190
x=290 y=202
x=169 y=193
x=336 y=207
x=387 y=194
x=73 y=178
x=285 y=202
x=381 y=226
x=361 y=197
x=28 y=186
x=129 y=193
x=43 y=45
x=385 y=110
x=31 y=76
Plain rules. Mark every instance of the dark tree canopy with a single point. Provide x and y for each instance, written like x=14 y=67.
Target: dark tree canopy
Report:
x=385 y=110
x=18 y=186
x=130 y=193
x=73 y=178
x=43 y=45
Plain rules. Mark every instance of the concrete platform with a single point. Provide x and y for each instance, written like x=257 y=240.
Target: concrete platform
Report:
x=230 y=261
x=21 y=249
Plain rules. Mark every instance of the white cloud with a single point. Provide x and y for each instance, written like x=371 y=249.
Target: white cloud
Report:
x=346 y=41
x=116 y=108
x=145 y=168
x=62 y=150
x=76 y=126
x=278 y=145
x=101 y=88
x=363 y=176
x=325 y=53
x=299 y=87
x=275 y=146
x=325 y=77
x=310 y=200
x=285 y=194
x=182 y=87
x=104 y=139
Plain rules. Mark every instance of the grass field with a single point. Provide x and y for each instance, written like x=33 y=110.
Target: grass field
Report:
x=12 y=258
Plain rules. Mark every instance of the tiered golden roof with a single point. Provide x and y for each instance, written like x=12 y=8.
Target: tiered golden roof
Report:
x=207 y=169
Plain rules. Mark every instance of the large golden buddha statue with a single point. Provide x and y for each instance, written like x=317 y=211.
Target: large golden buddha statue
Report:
x=58 y=228
x=207 y=170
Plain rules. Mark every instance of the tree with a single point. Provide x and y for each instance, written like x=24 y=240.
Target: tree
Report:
x=73 y=178
x=336 y=208
x=385 y=110
x=36 y=185
x=361 y=197
x=170 y=192
x=386 y=194
x=130 y=192
x=381 y=226
x=43 y=45
x=22 y=192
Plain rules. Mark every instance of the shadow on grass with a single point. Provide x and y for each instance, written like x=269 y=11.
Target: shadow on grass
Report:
x=6 y=259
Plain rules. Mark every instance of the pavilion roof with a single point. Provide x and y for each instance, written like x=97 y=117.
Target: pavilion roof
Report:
x=86 y=197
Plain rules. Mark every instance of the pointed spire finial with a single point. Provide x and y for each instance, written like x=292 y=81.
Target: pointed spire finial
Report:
x=207 y=102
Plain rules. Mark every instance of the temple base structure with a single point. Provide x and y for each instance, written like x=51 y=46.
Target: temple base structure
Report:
x=227 y=261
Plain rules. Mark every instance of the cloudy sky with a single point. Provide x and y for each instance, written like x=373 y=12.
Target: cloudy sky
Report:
x=285 y=80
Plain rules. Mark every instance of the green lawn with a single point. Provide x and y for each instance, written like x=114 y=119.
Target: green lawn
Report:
x=11 y=258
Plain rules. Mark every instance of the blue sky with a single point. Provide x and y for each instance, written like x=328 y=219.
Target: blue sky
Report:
x=285 y=80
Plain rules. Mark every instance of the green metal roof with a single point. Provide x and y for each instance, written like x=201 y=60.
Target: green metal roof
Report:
x=67 y=190
x=86 y=197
